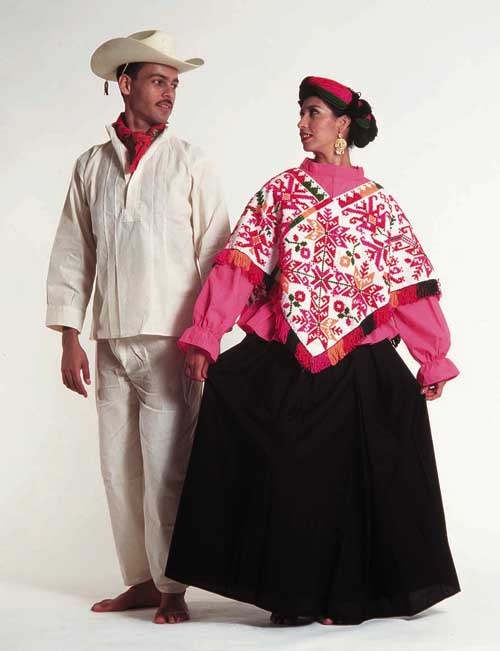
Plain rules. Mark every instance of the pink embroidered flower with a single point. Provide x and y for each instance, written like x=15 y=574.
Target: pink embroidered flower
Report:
x=300 y=296
x=338 y=306
x=345 y=261
x=305 y=253
x=257 y=212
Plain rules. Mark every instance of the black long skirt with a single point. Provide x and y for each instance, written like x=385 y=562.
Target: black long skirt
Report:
x=314 y=495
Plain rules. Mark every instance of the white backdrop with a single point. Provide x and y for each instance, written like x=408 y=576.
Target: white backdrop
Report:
x=430 y=70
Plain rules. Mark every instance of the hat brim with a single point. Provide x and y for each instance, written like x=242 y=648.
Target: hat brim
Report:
x=114 y=53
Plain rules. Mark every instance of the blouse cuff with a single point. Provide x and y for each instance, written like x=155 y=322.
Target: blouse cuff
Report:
x=438 y=370
x=204 y=339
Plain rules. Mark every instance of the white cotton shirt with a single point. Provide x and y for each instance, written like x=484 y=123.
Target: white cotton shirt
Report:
x=147 y=239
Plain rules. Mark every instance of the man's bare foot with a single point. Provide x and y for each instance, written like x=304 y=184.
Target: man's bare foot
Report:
x=326 y=621
x=142 y=595
x=173 y=609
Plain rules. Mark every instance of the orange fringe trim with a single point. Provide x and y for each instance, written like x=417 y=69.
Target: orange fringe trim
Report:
x=337 y=352
x=240 y=260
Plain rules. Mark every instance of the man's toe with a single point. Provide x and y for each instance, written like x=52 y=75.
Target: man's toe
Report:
x=101 y=606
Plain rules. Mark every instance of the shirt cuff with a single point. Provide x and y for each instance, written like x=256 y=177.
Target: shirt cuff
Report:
x=439 y=370
x=59 y=316
x=204 y=339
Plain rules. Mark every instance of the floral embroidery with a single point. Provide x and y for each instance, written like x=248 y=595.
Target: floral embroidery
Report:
x=338 y=306
x=343 y=262
x=300 y=296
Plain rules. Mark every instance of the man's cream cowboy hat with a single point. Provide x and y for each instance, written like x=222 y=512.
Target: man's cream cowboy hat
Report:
x=152 y=46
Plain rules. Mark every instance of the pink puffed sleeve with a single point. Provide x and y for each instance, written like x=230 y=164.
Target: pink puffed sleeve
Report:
x=220 y=302
x=425 y=332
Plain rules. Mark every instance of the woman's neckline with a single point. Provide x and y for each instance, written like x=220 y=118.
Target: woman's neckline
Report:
x=325 y=168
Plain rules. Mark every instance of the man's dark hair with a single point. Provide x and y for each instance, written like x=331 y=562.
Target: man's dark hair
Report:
x=130 y=69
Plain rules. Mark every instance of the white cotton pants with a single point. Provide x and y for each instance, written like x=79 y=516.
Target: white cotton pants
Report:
x=147 y=411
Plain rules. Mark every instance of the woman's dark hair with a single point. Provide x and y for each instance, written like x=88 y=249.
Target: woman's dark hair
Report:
x=131 y=69
x=362 y=129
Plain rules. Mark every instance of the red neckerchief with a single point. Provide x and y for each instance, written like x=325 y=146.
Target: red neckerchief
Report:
x=137 y=142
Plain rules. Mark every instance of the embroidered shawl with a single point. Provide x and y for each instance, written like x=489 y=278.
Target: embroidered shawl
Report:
x=334 y=268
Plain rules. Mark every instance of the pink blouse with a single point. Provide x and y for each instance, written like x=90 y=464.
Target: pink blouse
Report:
x=223 y=298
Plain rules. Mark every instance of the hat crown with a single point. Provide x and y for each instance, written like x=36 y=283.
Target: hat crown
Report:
x=156 y=39
x=150 y=46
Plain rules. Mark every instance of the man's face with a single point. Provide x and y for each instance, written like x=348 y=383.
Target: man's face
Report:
x=150 y=96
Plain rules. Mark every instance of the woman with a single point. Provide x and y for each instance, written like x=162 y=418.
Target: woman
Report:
x=312 y=489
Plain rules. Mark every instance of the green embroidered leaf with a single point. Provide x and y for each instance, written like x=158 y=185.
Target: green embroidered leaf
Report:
x=314 y=190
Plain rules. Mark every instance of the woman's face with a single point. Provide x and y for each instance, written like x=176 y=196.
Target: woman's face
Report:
x=318 y=126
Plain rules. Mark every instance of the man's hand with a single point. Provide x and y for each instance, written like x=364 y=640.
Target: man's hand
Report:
x=196 y=364
x=433 y=391
x=74 y=363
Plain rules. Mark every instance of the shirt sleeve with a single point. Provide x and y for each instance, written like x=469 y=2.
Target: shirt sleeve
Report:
x=220 y=302
x=211 y=227
x=424 y=330
x=72 y=262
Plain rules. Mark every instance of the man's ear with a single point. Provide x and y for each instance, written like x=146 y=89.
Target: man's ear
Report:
x=125 y=84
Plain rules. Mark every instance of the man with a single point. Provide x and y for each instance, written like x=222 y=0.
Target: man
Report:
x=143 y=218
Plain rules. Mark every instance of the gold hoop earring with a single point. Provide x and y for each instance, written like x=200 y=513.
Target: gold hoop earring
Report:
x=340 y=145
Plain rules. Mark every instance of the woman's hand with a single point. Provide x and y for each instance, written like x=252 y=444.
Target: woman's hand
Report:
x=433 y=391
x=196 y=364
